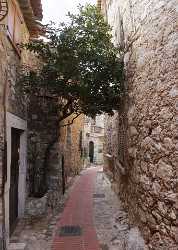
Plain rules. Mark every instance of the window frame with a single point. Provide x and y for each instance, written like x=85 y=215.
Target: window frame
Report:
x=11 y=32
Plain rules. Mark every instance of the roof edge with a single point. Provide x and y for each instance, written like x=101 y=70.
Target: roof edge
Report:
x=33 y=14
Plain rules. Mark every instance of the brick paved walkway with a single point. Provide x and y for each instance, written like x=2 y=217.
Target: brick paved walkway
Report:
x=79 y=212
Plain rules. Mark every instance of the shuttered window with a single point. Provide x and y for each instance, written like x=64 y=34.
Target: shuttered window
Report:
x=11 y=19
x=14 y=25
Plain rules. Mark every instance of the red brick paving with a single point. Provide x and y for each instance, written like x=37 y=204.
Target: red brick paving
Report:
x=79 y=212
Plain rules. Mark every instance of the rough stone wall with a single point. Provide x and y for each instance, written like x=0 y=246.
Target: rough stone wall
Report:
x=41 y=115
x=1 y=172
x=70 y=144
x=11 y=99
x=148 y=188
x=42 y=136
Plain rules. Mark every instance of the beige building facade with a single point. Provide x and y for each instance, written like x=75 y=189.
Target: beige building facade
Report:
x=93 y=138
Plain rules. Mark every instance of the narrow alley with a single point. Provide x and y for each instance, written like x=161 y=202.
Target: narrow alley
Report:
x=88 y=125
x=92 y=218
x=76 y=229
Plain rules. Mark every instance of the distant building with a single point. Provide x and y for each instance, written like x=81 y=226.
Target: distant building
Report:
x=93 y=137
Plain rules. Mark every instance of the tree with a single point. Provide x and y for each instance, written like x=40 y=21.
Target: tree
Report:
x=80 y=65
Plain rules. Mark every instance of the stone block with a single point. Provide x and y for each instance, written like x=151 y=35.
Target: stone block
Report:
x=36 y=206
x=157 y=216
x=172 y=215
x=171 y=197
x=164 y=170
x=148 y=123
x=145 y=182
x=168 y=143
x=132 y=152
x=151 y=221
x=166 y=114
x=176 y=106
x=133 y=131
x=174 y=91
x=162 y=208
x=156 y=133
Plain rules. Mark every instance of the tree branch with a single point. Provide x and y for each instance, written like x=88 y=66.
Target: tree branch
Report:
x=47 y=97
x=72 y=121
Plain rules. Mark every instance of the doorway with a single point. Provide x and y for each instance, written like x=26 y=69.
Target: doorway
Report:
x=14 y=178
x=15 y=186
x=91 y=151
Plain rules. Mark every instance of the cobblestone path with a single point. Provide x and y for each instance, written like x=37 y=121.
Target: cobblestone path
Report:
x=111 y=221
x=93 y=214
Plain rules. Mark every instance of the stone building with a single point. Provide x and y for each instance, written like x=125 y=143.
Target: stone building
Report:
x=71 y=144
x=19 y=24
x=55 y=153
x=141 y=139
x=93 y=137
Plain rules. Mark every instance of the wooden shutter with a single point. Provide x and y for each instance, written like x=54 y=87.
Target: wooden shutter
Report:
x=11 y=20
x=17 y=29
x=15 y=21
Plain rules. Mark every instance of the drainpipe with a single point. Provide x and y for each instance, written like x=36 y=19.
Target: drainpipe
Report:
x=4 y=167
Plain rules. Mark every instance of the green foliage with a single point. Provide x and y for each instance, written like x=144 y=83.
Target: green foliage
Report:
x=80 y=65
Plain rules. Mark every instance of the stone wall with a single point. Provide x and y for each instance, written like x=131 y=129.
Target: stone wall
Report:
x=148 y=140
x=1 y=173
x=42 y=138
x=11 y=100
x=71 y=144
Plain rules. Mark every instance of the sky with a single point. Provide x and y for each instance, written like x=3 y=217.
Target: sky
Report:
x=56 y=10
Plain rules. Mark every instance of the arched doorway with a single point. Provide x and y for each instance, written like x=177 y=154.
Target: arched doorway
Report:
x=91 y=151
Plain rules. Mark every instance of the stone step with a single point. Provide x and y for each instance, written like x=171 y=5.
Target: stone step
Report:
x=17 y=246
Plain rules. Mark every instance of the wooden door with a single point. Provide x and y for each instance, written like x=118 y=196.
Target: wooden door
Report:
x=14 y=179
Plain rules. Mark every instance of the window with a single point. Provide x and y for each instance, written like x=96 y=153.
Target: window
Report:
x=14 y=25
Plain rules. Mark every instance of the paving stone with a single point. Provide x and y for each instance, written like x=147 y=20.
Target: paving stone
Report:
x=79 y=211
x=111 y=221
x=37 y=231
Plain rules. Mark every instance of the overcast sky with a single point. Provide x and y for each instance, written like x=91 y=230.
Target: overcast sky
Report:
x=56 y=10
